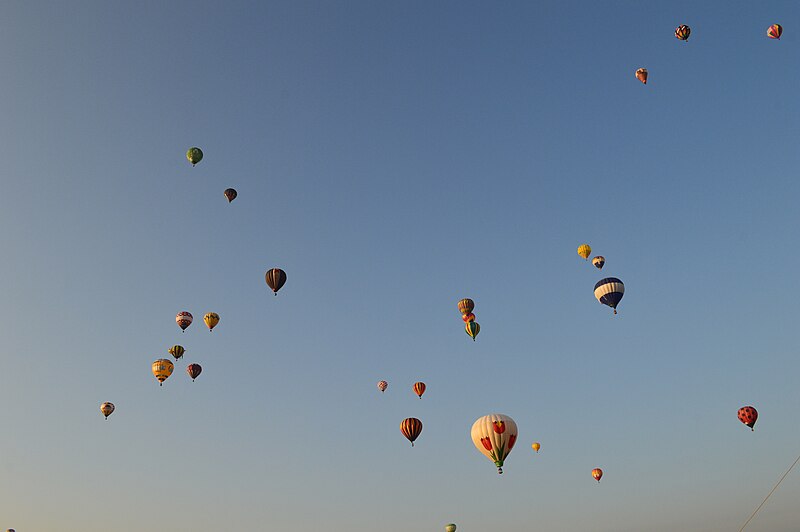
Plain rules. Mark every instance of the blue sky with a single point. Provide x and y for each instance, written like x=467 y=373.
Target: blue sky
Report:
x=393 y=158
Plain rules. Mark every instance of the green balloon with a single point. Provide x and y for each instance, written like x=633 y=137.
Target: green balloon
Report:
x=450 y=528
x=195 y=155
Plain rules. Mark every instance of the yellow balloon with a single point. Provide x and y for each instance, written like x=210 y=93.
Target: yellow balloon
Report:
x=162 y=369
x=211 y=319
x=584 y=250
x=536 y=446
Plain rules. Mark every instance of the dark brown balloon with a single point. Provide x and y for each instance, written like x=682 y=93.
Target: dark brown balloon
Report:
x=193 y=370
x=230 y=194
x=276 y=278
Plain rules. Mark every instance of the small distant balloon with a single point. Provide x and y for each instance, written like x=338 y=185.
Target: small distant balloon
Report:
x=599 y=261
x=194 y=155
x=597 y=473
x=472 y=329
x=468 y=317
x=211 y=319
x=748 y=415
x=230 y=194
x=275 y=278
x=609 y=291
x=682 y=32
x=419 y=388
x=183 y=319
x=641 y=75
x=382 y=385
x=107 y=409
x=466 y=306
x=450 y=528
x=193 y=370
x=411 y=428
x=535 y=446
x=162 y=369
x=584 y=250
x=176 y=351
x=775 y=31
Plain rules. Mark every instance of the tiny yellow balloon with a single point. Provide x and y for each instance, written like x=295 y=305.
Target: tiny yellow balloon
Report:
x=584 y=250
x=536 y=446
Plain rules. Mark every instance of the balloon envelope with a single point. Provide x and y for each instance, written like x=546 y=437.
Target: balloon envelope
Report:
x=176 y=351
x=211 y=319
x=472 y=329
x=599 y=261
x=183 y=319
x=584 y=250
x=748 y=415
x=230 y=194
x=494 y=436
x=382 y=385
x=450 y=528
x=466 y=306
x=194 y=155
x=609 y=291
x=641 y=75
x=411 y=428
x=775 y=31
x=597 y=473
x=535 y=446
x=419 y=388
x=162 y=369
x=275 y=278
x=682 y=32
x=107 y=409
x=193 y=370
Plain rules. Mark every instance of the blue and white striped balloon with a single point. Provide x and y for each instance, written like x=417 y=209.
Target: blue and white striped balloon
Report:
x=609 y=291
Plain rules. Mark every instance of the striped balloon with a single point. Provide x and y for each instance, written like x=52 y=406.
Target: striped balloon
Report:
x=775 y=31
x=176 y=351
x=183 y=319
x=466 y=306
x=682 y=32
x=472 y=329
x=419 y=388
x=411 y=428
x=382 y=385
x=275 y=278
x=494 y=436
x=609 y=291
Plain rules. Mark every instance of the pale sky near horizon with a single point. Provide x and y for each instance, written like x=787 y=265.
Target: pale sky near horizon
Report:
x=392 y=158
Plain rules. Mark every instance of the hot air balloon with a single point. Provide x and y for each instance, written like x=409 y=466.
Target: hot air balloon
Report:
x=176 y=351
x=468 y=317
x=195 y=155
x=599 y=261
x=775 y=31
x=535 y=446
x=494 y=436
x=609 y=291
x=466 y=306
x=473 y=329
x=183 y=319
x=193 y=370
x=682 y=32
x=641 y=75
x=231 y=194
x=419 y=388
x=411 y=428
x=748 y=415
x=450 y=528
x=276 y=278
x=211 y=319
x=584 y=250
x=597 y=473
x=382 y=385
x=106 y=409
x=162 y=369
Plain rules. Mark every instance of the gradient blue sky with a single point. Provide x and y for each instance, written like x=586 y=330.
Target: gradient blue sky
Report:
x=394 y=157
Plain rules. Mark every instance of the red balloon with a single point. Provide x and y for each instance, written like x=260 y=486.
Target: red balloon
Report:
x=193 y=370
x=748 y=415
x=419 y=388
x=468 y=317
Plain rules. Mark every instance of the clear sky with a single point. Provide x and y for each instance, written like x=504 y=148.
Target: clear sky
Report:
x=392 y=158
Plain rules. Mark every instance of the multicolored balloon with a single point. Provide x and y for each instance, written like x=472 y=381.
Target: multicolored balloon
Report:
x=176 y=351
x=382 y=385
x=194 y=370
x=468 y=317
x=466 y=306
x=599 y=261
x=775 y=31
x=419 y=388
x=641 y=75
x=162 y=369
x=194 y=155
x=682 y=32
x=748 y=415
x=536 y=446
x=107 y=409
x=211 y=319
x=584 y=250
x=597 y=473
x=411 y=428
x=276 y=278
x=609 y=291
x=184 y=319
x=494 y=436
x=473 y=329
x=231 y=194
